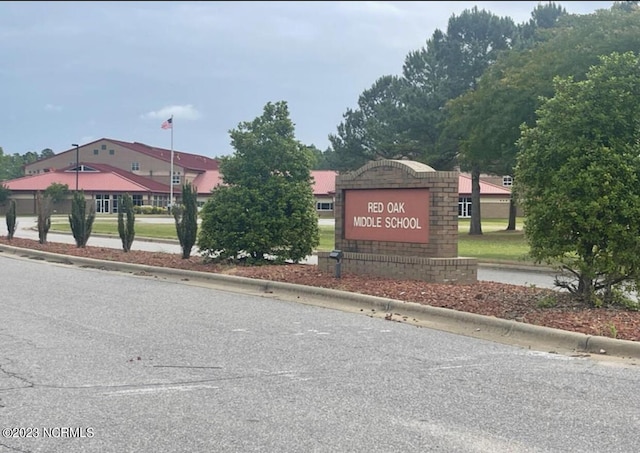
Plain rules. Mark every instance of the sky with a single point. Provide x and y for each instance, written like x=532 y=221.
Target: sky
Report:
x=75 y=72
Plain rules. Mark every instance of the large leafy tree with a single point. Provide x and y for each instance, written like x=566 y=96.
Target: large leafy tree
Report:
x=543 y=17
x=325 y=160
x=402 y=117
x=474 y=42
x=427 y=87
x=12 y=165
x=577 y=177
x=375 y=130
x=486 y=121
x=264 y=208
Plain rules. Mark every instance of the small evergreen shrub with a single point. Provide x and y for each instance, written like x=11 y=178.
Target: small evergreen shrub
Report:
x=43 y=212
x=126 y=228
x=80 y=220
x=11 y=219
x=186 y=218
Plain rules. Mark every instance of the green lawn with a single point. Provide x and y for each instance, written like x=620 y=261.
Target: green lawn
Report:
x=494 y=244
x=110 y=227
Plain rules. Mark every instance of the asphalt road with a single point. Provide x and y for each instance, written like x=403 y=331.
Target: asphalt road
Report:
x=97 y=361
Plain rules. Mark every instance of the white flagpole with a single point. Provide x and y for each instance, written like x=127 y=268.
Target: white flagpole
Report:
x=171 y=172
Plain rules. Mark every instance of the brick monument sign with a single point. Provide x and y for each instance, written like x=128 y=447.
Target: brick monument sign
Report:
x=399 y=219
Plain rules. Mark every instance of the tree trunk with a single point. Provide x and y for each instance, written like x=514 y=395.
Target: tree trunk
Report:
x=585 y=290
x=512 y=214
x=475 y=226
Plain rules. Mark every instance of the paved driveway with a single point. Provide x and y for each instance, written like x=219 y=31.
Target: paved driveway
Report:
x=100 y=361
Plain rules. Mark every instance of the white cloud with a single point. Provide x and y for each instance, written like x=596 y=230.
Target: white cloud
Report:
x=184 y=112
x=52 y=108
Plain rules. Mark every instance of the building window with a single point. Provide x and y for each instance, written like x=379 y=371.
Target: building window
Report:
x=324 y=206
x=507 y=181
x=104 y=146
x=464 y=207
x=137 y=200
x=111 y=152
x=95 y=151
x=135 y=166
x=159 y=201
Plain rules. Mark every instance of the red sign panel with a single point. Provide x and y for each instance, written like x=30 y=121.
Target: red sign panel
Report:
x=397 y=215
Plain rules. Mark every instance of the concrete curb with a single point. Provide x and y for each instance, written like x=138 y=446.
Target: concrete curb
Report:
x=469 y=324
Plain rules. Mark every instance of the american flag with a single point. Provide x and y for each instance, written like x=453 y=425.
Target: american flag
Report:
x=167 y=124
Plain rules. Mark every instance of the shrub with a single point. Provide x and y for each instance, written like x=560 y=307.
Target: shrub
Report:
x=126 y=228
x=56 y=191
x=186 y=218
x=81 y=222
x=265 y=210
x=43 y=211
x=11 y=219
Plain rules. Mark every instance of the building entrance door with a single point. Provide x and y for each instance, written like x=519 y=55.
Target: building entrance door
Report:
x=102 y=203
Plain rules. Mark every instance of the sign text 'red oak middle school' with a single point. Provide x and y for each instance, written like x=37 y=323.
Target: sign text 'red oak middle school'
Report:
x=399 y=215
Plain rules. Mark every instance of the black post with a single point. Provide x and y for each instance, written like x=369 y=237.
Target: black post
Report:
x=337 y=255
x=77 y=163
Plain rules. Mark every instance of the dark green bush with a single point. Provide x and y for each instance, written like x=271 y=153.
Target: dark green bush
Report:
x=126 y=228
x=81 y=222
x=43 y=211
x=11 y=219
x=186 y=218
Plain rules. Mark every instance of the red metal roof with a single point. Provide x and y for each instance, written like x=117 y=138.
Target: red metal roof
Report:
x=149 y=183
x=206 y=181
x=104 y=180
x=186 y=160
x=464 y=187
x=324 y=182
x=112 y=179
